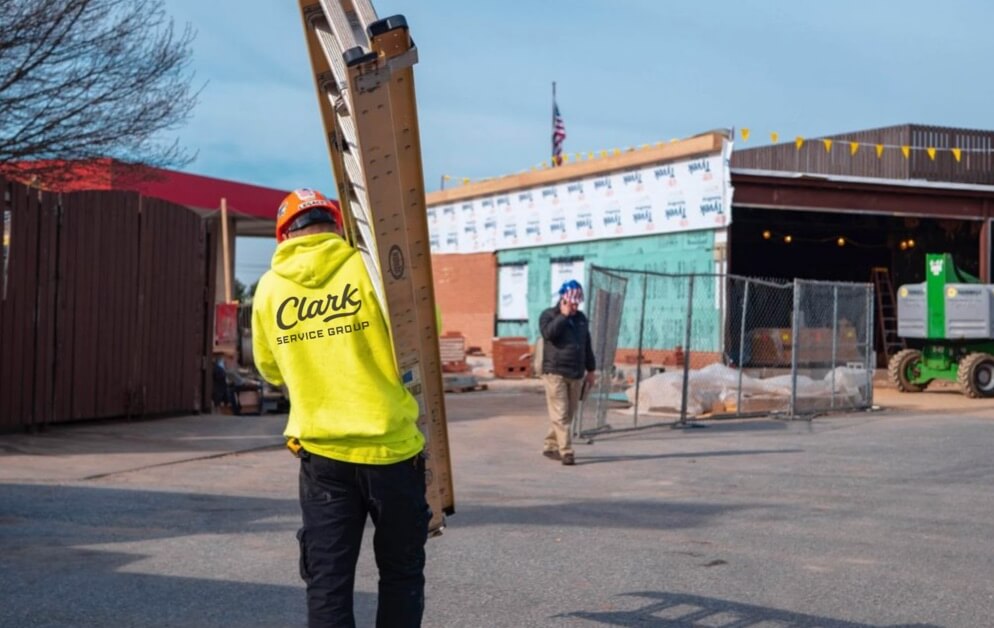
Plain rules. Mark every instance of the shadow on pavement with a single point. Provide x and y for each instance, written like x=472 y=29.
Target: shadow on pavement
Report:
x=676 y=609
x=598 y=514
x=91 y=556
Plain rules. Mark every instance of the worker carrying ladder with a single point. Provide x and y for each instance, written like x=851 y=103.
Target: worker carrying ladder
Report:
x=363 y=71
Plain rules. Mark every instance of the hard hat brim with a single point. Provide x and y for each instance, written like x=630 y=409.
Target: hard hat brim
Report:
x=313 y=216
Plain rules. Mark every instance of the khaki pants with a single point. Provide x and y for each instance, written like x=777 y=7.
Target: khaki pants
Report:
x=562 y=395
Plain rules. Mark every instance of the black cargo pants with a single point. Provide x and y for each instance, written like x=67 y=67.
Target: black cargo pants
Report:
x=335 y=498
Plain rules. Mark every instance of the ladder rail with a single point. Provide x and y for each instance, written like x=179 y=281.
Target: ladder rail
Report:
x=331 y=88
x=383 y=82
x=886 y=312
x=338 y=28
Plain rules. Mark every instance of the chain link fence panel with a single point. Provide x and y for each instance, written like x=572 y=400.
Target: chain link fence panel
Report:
x=607 y=302
x=671 y=348
x=833 y=367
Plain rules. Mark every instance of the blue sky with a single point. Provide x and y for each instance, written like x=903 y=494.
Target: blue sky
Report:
x=628 y=72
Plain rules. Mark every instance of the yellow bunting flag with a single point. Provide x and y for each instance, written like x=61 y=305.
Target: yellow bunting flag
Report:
x=906 y=150
x=957 y=153
x=660 y=143
x=745 y=134
x=853 y=147
x=828 y=145
x=465 y=180
x=578 y=157
x=798 y=142
x=590 y=155
x=603 y=153
x=616 y=151
x=880 y=150
x=565 y=158
x=774 y=137
x=931 y=152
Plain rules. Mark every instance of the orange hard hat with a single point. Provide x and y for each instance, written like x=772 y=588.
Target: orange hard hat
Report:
x=303 y=207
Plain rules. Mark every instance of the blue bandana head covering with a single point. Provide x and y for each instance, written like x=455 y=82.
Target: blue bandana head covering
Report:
x=571 y=291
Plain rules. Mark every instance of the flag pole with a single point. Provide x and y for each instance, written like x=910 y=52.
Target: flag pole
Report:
x=552 y=153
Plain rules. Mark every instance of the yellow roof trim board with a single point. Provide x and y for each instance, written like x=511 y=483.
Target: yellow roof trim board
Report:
x=705 y=144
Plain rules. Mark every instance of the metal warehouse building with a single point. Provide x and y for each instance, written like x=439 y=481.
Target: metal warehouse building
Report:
x=865 y=206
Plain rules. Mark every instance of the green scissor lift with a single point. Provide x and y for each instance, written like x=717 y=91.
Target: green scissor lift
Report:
x=951 y=315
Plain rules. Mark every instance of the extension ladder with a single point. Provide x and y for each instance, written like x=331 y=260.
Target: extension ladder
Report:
x=363 y=71
x=886 y=311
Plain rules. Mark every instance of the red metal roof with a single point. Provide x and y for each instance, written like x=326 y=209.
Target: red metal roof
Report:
x=190 y=190
x=205 y=193
x=253 y=207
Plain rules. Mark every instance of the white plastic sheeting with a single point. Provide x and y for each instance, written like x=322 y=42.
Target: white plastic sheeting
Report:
x=714 y=389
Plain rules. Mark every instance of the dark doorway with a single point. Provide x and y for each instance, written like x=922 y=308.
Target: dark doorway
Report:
x=788 y=244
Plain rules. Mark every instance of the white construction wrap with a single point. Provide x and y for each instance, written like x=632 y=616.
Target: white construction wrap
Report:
x=512 y=286
x=678 y=196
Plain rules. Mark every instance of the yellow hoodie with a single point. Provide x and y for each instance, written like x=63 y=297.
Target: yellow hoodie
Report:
x=318 y=328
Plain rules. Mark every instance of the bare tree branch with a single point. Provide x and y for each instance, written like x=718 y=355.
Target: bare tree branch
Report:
x=85 y=79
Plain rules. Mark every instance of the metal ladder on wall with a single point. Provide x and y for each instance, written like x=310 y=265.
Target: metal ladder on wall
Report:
x=363 y=71
x=886 y=313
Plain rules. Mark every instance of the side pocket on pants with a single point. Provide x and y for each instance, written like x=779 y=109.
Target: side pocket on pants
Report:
x=305 y=575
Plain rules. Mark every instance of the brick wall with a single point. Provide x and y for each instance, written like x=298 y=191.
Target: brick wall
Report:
x=466 y=293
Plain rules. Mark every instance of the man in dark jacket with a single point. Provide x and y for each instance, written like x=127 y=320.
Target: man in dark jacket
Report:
x=567 y=361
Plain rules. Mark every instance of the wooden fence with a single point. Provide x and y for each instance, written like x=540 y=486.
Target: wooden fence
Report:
x=106 y=307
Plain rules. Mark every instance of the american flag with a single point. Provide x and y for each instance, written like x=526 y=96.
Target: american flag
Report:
x=558 y=135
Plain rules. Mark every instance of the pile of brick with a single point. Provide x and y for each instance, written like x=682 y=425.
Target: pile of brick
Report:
x=512 y=358
x=452 y=351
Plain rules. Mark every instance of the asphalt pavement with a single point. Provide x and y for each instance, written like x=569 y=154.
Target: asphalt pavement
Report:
x=870 y=519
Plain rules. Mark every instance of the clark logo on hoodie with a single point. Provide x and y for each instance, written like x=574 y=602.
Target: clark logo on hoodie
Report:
x=317 y=327
x=301 y=309
x=294 y=309
x=332 y=306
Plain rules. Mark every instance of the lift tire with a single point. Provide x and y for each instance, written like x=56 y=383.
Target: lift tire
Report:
x=975 y=375
x=899 y=367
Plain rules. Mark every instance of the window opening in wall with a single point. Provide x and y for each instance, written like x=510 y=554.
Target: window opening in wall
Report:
x=512 y=304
